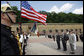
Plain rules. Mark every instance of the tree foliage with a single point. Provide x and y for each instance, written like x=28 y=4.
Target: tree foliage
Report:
x=53 y=17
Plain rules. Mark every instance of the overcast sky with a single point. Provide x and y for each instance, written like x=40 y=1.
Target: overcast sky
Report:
x=57 y=6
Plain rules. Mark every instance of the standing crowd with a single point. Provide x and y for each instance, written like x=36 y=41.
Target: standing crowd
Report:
x=64 y=36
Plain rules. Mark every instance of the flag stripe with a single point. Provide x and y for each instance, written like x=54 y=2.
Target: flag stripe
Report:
x=43 y=22
x=38 y=13
x=33 y=18
x=31 y=15
x=32 y=12
x=27 y=11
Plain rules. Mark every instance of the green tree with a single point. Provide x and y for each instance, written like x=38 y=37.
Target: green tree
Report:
x=52 y=17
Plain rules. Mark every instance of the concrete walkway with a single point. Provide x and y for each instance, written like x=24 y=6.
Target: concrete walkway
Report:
x=46 y=46
x=39 y=49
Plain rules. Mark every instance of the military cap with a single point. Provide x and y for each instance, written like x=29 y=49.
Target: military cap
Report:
x=6 y=8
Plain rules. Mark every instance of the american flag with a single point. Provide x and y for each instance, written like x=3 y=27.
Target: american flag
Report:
x=28 y=12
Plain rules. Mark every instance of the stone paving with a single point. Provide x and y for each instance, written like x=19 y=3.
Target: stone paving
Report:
x=46 y=46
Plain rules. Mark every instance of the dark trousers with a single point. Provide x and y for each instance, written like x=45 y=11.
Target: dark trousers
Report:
x=58 y=44
x=77 y=38
x=24 y=46
x=64 y=45
x=24 y=50
x=49 y=36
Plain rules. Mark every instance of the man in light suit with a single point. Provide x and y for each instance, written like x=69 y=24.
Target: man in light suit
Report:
x=72 y=41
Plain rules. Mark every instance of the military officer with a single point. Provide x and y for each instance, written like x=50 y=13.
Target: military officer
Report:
x=9 y=45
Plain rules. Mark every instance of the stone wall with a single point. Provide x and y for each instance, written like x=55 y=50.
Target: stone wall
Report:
x=50 y=26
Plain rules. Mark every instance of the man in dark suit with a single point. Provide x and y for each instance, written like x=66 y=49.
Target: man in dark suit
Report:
x=81 y=36
x=58 y=39
x=76 y=32
x=50 y=34
x=64 y=41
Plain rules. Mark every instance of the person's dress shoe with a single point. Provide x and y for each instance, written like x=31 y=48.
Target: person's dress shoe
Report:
x=64 y=50
x=58 y=48
x=72 y=52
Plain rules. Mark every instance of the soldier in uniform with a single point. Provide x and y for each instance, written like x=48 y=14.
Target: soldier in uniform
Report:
x=9 y=45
